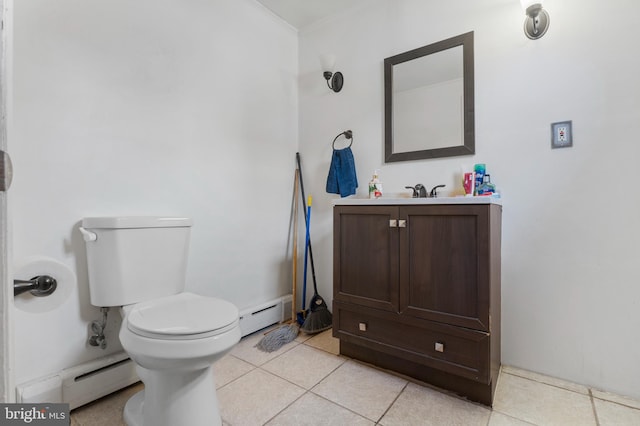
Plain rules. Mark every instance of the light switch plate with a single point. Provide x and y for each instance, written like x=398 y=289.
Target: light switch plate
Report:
x=561 y=134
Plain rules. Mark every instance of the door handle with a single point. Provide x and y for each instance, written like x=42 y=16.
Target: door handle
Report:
x=6 y=171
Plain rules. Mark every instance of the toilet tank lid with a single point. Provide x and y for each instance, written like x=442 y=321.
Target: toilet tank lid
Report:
x=124 y=222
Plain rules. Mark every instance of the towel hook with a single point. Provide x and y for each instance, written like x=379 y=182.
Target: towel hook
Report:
x=347 y=134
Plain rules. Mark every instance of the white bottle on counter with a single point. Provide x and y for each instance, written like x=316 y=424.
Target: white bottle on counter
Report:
x=375 y=186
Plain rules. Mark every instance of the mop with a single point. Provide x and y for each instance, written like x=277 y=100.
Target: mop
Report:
x=275 y=339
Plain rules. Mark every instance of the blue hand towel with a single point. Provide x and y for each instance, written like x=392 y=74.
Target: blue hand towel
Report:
x=342 y=173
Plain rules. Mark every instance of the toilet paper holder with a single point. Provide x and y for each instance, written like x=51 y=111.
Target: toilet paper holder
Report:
x=42 y=285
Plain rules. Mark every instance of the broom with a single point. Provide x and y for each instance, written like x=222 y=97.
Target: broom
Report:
x=287 y=333
x=319 y=317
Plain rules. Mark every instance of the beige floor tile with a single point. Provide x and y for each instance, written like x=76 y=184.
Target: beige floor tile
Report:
x=251 y=396
x=105 y=411
x=499 y=419
x=303 y=365
x=255 y=398
x=633 y=403
x=418 y=405
x=610 y=414
x=362 y=389
x=228 y=369
x=326 y=342
x=312 y=410
x=542 y=404
x=246 y=350
x=574 y=387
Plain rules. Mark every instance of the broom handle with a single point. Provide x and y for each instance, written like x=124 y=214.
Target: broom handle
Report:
x=306 y=246
x=295 y=246
x=313 y=268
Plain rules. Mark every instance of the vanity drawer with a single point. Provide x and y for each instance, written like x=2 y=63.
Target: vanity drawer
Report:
x=451 y=349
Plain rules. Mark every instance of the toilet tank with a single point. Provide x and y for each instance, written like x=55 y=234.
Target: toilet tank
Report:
x=133 y=259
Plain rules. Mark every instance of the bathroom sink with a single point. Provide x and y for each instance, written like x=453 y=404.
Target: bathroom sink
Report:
x=418 y=201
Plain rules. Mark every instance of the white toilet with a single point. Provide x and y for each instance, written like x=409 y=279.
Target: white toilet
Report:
x=139 y=264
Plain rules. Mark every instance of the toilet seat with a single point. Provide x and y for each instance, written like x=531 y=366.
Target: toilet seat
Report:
x=183 y=316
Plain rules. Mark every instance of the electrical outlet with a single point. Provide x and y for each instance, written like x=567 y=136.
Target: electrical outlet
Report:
x=561 y=134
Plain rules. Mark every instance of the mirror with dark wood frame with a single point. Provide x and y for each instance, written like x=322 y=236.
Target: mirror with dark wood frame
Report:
x=429 y=101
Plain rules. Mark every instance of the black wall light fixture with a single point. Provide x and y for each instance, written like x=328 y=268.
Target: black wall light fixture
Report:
x=536 y=23
x=335 y=80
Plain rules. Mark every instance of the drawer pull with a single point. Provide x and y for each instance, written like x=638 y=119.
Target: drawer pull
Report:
x=393 y=223
x=402 y=223
x=362 y=326
x=439 y=347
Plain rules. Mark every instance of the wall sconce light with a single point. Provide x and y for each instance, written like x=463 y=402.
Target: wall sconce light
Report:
x=536 y=23
x=334 y=80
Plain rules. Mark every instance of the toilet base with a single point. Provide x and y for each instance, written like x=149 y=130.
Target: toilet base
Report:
x=133 y=409
x=174 y=398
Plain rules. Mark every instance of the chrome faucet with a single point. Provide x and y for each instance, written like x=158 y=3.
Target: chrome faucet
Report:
x=419 y=191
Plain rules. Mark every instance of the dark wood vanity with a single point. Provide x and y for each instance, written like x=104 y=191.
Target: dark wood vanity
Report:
x=417 y=289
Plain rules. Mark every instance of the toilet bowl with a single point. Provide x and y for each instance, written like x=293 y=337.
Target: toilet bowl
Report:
x=173 y=342
x=173 y=336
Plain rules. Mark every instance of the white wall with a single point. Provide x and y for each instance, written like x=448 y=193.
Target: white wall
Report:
x=570 y=293
x=142 y=108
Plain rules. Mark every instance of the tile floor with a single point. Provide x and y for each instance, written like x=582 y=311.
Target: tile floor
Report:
x=306 y=382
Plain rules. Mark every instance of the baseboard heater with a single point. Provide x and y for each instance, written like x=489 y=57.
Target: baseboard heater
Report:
x=81 y=384
x=265 y=314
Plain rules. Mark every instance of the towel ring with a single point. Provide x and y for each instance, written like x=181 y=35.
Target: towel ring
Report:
x=347 y=134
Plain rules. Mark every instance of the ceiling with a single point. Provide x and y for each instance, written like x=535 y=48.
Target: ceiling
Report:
x=302 y=13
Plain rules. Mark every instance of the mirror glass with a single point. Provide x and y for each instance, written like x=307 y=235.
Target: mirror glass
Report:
x=429 y=101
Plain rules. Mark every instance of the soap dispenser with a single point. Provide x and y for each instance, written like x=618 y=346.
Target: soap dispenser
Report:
x=375 y=186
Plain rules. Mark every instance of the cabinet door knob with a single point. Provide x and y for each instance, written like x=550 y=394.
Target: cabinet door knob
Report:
x=362 y=326
x=439 y=347
x=393 y=223
x=402 y=223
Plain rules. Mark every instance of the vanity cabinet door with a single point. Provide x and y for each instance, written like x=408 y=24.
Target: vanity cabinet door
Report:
x=444 y=264
x=365 y=261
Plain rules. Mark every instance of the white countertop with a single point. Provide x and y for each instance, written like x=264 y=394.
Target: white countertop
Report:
x=348 y=201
